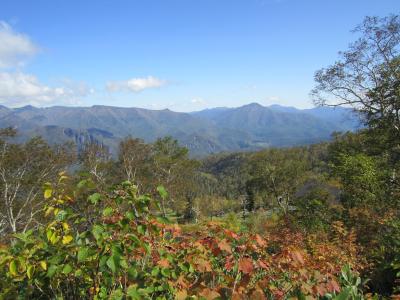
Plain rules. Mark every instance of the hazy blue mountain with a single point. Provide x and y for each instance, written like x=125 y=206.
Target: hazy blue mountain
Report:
x=249 y=127
x=277 y=125
x=344 y=117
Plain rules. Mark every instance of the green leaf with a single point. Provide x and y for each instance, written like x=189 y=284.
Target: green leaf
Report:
x=82 y=183
x=130 y=215
x=117 y=295
x=141 y=229
x=49 y=234
x=155 y=271
x=124 y=264
x=163 y=220
x=83 y=253
x=67 y=269
x=113 y=263
x=132 y=273
x=162 y=191
x=165 y=272
x=135 y=239
x=62 y=214
x=343 y=295
x=103 y=261
x=107 y=211
x=97 y=231
x=13 y=268
x=133 y=292
x=51 y=271
x=94 y=198
x=29 y=271
x=54 y=238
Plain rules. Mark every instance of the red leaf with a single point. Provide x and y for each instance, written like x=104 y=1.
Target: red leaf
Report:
x=333 y=286
x=229 y=264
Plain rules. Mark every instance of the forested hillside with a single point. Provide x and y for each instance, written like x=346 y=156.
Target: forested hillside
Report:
x=319 y=221
x=245 y=128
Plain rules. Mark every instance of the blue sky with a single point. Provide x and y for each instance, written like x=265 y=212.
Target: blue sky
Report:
x=179 y=54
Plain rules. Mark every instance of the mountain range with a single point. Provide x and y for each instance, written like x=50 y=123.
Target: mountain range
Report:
x=249 y=127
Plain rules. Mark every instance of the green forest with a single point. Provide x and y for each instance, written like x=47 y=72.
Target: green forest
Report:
x=311 y=222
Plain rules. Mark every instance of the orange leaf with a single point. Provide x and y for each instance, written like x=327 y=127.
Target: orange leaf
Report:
x=297 y=257
x=258 y=295
x=223 y=245
x=182 y=282
x=163 y=263
x=246 y=265
x=260 y=241
x=209 y=294
x=231 y=234
x=203 y=265
x=237 y=296
x=262 y=264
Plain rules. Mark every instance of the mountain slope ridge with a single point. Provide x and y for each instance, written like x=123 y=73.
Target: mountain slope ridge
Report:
x=249 y=127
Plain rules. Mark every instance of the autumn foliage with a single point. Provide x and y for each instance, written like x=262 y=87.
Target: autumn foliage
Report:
x=130 y=250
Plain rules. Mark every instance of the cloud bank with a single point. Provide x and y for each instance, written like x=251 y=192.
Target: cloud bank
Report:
x=15 y=48
x=18 y=89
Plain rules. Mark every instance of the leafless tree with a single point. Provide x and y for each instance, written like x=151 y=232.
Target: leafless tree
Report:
x=24 y=168
x=95 y=159
x=134 y=156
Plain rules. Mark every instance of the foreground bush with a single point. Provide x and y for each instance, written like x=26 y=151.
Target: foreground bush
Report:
x=129 y=250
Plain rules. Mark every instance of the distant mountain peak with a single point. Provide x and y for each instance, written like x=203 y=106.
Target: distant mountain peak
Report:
x=282 y=108
x=27 y=108
x=252 y=105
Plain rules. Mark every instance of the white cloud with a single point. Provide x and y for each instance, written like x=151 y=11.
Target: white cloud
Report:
x=17 y=89
x=135 y=84
x=15 y=48
x=198 y=101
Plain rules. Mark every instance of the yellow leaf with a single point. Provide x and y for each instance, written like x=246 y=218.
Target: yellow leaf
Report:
x=54 y=238
x=49 y=210
x=29 y=271
x=65 y=226
x=67 y=239
x=181 y=295
x=43 y=264
x=48 y=193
